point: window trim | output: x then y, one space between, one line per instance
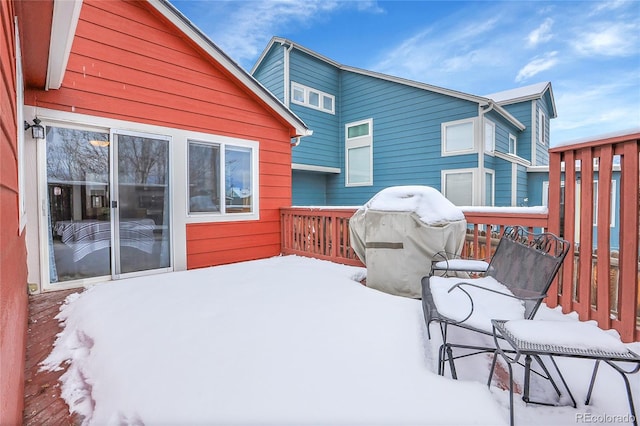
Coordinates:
443 134
542 127
472 171
493 187
491 124
222 215
513 138
306 90
358 142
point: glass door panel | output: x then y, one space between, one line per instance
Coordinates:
79 220
141 189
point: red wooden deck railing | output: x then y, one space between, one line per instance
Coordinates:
601 288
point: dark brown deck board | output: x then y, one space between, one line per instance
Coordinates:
43 404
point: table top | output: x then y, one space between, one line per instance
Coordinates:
522 345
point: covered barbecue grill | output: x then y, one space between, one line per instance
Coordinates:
397 233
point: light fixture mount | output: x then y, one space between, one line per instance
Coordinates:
37 131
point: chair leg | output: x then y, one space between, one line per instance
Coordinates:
592 382
441 360
493 367
452 365
511 415
624 373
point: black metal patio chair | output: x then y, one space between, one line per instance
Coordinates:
519 275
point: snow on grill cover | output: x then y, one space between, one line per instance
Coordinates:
397 233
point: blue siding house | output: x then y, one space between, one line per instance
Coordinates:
372 130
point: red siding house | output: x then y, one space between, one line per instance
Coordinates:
149 151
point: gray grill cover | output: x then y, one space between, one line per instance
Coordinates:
397 246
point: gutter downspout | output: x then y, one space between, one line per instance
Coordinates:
482 110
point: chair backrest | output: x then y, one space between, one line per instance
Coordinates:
527 263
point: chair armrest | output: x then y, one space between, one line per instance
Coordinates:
459 285
450 262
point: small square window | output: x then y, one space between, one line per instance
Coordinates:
327 103
298 94
314 99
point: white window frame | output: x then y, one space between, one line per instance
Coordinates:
515 145
493 187
307 91
443 131
358 142
542 124
222 214
489 147
22 199
473 172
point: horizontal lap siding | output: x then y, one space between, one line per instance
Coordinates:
13 263
522 112
406 134
271 71
502 175
323 147
128 63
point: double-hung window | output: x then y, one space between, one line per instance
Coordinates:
312 98
458 186
359 153
223 178
457 137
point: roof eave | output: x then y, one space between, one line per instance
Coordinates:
63 29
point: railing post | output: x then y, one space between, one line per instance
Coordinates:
629 240
603 263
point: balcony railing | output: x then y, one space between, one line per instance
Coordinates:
601 288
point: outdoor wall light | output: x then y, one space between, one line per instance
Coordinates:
37 131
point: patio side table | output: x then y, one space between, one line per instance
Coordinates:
587 346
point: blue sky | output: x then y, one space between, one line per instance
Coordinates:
589 50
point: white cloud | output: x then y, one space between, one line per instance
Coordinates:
252 24
601 105
541 34
536 66
609 39
436 52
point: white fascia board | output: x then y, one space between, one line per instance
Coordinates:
510 118
512 159
63 29
312 168
194 33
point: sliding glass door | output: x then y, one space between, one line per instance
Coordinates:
108 204
142 194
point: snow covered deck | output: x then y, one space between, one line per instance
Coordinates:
286 340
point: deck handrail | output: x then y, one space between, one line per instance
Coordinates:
589 287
